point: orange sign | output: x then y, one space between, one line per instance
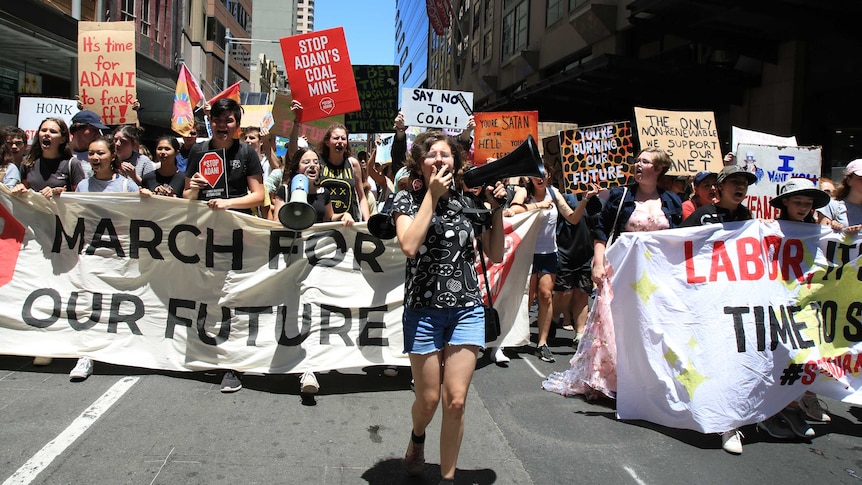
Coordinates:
498 133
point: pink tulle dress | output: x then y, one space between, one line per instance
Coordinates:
593 371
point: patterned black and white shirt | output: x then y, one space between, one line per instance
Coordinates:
443 273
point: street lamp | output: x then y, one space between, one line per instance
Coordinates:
239 41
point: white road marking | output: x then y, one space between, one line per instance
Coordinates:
34 466
527 361
634 476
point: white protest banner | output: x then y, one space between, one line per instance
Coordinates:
436 108
751 137
170 284
722 326
32 111
774 165
690 137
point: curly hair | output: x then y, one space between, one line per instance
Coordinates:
421 146
662 160
36 147
324 147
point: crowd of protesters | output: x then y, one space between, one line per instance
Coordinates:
419 189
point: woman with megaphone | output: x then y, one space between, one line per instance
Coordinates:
444 317
305 162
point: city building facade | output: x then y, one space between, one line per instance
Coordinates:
272 20
777 66
411 43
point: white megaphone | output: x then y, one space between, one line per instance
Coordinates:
298 214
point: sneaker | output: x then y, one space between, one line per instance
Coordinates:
777 428
544 353
500 357
231 381
390 371
308 383
731 441
82 369
796 420
42 360
810 405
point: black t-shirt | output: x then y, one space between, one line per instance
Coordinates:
153 179
713 214
575 242
241 162
53 172
443 272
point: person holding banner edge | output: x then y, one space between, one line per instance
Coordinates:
642 206
444 320
244 180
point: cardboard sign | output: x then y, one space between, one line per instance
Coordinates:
32 111
498 133
378 94
213 169
321 77
257 116
598 154
689 137
751 137
282 117
774 165
106 70
436 108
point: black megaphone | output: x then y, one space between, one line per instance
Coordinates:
523 161
381 225
298 214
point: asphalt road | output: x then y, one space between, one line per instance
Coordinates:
135 426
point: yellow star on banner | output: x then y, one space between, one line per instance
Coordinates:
648 254
671 357
692 342
690 378
644 287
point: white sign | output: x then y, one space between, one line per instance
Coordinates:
723 326
33 111
774 165
170 284
436 108
751 137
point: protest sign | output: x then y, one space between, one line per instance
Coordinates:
722 326
751 137
598 154
774 165
689 137
436 108
378 95
549 133
321 77
32 111
257 116
214 170
498 133
106 70
182 287
282 117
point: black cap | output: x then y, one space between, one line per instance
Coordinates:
87 117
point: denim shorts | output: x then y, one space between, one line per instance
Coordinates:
544 263
427 330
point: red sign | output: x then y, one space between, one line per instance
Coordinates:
212 167
11 238
321 77
437 15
